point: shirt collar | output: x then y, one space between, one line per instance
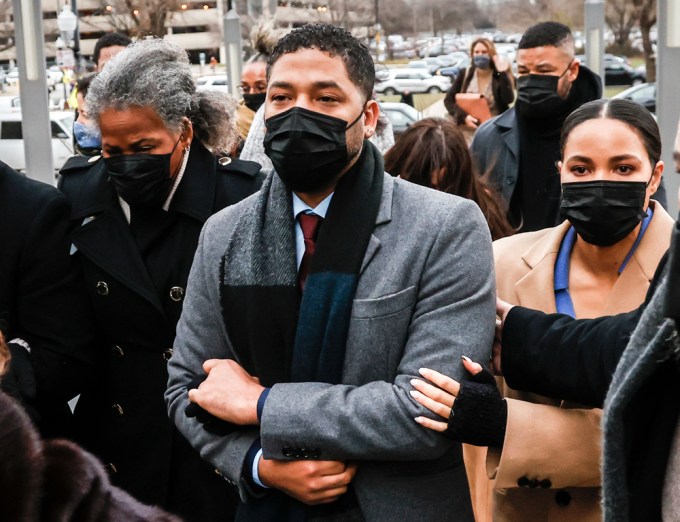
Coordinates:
300 206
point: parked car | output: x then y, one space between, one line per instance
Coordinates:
644 94
617 71
12 142
401 115
454 70
216 82
413 80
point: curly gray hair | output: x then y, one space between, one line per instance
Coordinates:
157 74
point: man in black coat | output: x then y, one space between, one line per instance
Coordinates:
43 311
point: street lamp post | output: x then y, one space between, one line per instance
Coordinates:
35 118
594 32
232 40
667 101
67 21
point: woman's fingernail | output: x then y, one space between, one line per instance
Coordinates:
414 382
419 420
414 394
422 371
467 358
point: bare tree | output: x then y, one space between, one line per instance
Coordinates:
647 20
140 17
621 17
6 27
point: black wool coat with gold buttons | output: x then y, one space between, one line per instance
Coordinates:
135 276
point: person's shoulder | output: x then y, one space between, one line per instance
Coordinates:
77 164
80 174
416 201
515 246
238 167
18 190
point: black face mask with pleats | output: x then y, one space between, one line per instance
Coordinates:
254 101
308 149
142 180
603 212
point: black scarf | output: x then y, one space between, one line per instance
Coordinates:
274 335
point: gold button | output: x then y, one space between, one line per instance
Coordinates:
117 409
167 354
224 161
177 293
102 288
118 351
111 468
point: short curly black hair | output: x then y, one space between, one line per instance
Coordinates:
336 42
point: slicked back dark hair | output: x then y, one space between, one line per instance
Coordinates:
637 117
336 42
544 34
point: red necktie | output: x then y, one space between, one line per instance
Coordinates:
309 223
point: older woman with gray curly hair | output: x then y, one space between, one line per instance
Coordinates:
137 214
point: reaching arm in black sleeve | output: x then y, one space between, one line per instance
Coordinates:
557 356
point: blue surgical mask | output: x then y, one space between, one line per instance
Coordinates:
482 61
87 136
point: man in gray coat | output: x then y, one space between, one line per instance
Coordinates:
312 304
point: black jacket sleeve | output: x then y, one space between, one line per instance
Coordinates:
450 98
42 298
557 356
503 90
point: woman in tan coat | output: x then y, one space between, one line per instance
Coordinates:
600 261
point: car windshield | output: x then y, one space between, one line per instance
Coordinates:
67 122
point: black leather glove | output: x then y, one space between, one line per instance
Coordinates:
210 423
479 413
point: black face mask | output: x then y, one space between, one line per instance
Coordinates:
254 101
142 180
308 149
603 212
537 95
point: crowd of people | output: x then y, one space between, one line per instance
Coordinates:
271 310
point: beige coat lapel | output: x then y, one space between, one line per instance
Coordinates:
536 288
631 287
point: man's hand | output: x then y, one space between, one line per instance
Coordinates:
229 392
309 481
502 310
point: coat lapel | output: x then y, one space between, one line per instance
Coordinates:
384 216
536 289
105 238
631 287
106 241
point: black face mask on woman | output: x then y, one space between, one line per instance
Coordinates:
308 149
537 95
254 101
603 212
142 180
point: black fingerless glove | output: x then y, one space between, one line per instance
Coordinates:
479 413
210 423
